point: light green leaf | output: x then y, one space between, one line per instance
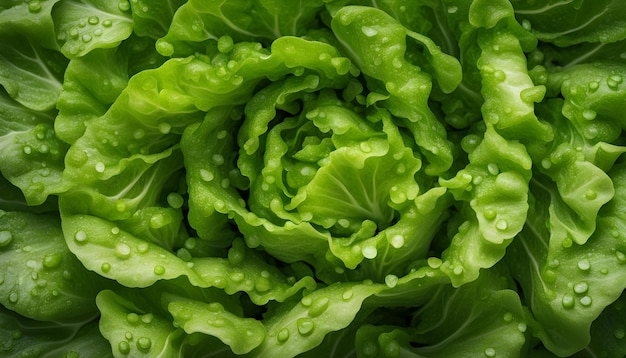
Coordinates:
84 25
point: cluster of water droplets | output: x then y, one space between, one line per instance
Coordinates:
141 342
80 34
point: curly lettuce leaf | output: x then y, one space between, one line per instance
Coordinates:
151 19
302 325
567 285
241 334
578 166
572 21
593 96
32 154
493 190
136 327
41 279
31 19
364 32
82 26
31 74
24 337
488 321
91 84
195 22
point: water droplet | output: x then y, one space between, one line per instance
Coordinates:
159 270
105 267
391 348
397 241
236 253
490 352
306 301
157 221
132 318
502 225
283 335
369 31
128 335
591 131
305 325
80 236
370 349
216 307
369 252
617 78
619 333
319 306
584 265
397 62
164 127
621 257
508 317
585 301
122 250
253 241
458 270
123 347
206 175
27 150
493 169
262 284
51 261
13 297
100 167
93 20
567 242
218 159
5 238
217 322
347 294
144 344
147 318
34 6
522 327
123 5
591 194
345 223
589 114
86 38
499 75
581 287
490 214
391 280
567 301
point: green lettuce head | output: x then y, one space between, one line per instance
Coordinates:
343 178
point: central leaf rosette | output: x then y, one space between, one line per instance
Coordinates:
309 173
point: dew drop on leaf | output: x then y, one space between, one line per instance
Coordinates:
305 325
490 352
80 236
319 306
283 335
5 238
567 301
159 270
122 250
123 347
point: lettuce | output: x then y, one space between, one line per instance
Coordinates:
343 178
